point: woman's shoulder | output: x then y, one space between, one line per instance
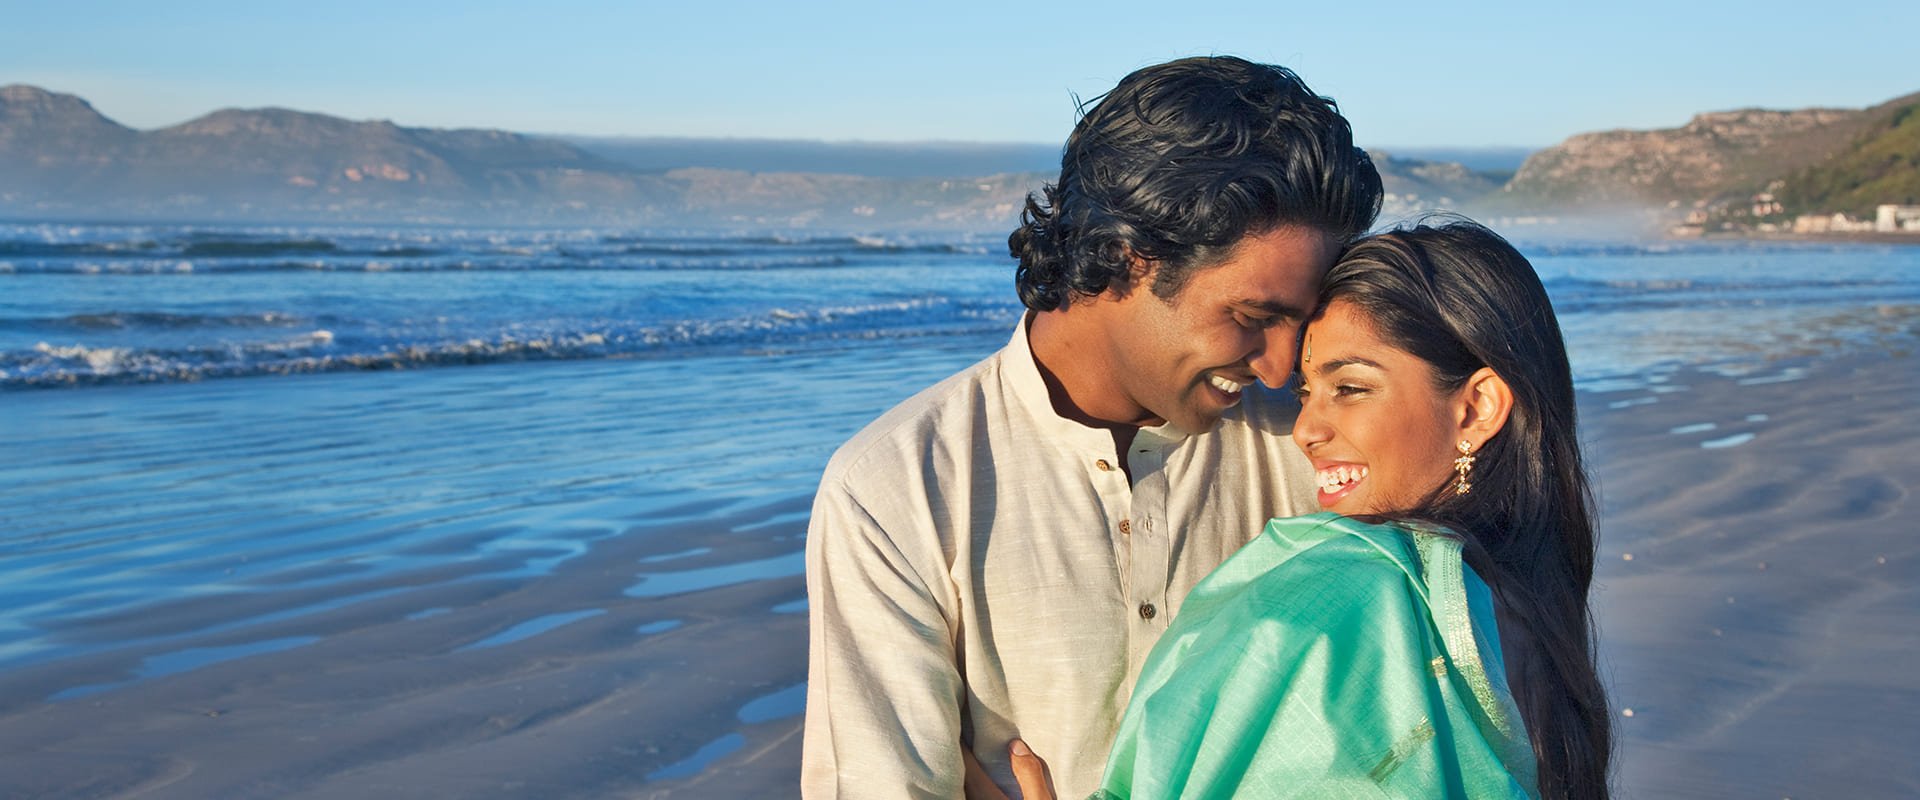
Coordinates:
1309 529
1330 536
1332 560
1327 564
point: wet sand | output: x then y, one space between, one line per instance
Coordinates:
395 700
398 701
1759 634
1759 580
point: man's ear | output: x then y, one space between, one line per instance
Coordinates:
1482 406
1139 274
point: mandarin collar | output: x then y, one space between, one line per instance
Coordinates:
1023 377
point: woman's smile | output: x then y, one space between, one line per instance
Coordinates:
1336 480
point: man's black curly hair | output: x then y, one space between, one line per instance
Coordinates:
1180 162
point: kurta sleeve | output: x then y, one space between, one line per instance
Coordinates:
884 692
1325 677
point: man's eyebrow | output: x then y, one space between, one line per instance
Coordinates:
1275 308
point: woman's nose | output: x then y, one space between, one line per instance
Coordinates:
1309 429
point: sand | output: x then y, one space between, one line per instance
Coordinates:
386 706
1760 634
1759 599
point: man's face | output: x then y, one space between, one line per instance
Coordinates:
1185 360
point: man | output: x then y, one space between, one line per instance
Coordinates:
993 558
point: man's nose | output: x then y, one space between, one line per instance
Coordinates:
1272 360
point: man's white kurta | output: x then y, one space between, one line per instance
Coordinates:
981 569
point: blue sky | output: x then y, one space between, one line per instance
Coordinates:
1407 74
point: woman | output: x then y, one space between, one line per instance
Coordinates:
1429 636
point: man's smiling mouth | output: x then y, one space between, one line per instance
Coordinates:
1224 385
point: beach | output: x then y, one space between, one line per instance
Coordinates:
1757 590
457 567
1758 583
571 647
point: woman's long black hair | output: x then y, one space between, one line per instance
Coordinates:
1459 297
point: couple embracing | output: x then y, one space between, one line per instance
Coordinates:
1111 560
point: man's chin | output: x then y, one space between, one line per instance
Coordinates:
1194 425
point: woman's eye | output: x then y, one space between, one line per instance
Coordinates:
1300 393
1349 390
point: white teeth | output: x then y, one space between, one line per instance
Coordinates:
1332 478
1225 385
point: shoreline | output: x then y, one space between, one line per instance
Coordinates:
1859 237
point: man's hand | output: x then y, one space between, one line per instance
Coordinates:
1028 769
1031 772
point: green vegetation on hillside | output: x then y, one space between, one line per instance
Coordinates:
1882 166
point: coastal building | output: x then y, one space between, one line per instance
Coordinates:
1694 226
1889 218
1831 223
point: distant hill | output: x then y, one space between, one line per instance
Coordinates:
58 154
935 159
1416 185
1491 160
866 159
1716 157
52 140
60 158
1882 165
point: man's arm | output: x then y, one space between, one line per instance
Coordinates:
883 687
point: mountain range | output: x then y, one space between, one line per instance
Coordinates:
61 158
1811 158
1882 165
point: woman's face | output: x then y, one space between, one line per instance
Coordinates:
1380 434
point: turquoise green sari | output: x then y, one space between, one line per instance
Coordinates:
1328 658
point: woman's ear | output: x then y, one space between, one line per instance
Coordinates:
1483 405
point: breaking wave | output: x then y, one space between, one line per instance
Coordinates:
54 365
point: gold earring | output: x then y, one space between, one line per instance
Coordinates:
1462 467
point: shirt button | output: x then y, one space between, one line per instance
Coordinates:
1147 611
1103 465
1126 526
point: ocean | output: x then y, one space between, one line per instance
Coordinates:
215 432
86 305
